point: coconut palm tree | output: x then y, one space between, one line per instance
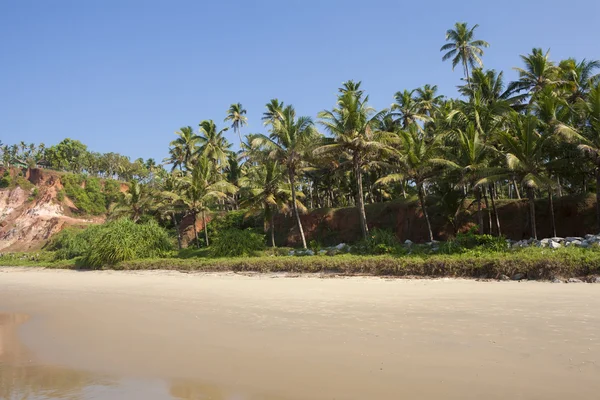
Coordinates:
354 125
266 191
186 144
579 77
274 110
588 136
415 158
408 110
463 48
525 150
213 144
237 115
290 141
201 187
428 99
539 72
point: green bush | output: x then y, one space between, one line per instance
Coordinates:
60 195
90 199
471 240
123 240
237 243
380 241
6 180
71 242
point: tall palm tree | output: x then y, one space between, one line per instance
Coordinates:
213 144
415 158
290 141
579 77
539 72
354 125
408 109
237 115
266 191
201 187
463 47
525 150
428 99
274 110
589 136
186 143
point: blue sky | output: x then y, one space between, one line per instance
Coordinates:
124 75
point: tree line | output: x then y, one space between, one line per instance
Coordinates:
536 137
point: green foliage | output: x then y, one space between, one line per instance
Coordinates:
23 183
237 243
123 240
105 245
380 241
71 243
6 180
60 195
112 191
89 200
471 240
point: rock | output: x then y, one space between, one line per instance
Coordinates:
589 237
577 243
518 277
555 245
309 253
340 246
557 239
556 280
408 242
504 278
574 280
596 280
573 238
322 252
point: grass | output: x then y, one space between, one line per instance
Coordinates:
535 263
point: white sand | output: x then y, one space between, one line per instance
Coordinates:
308 338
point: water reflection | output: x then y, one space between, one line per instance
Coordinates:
21 378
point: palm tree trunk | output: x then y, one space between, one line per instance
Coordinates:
177 229
487 208
205 227
403 184
553 221
514 181
531 195
598 197
196 231
492 197
360 199
295 207
479 213
273 229
424 208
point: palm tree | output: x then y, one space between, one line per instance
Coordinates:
415 158
266 191
525 150
274 110
428 99
200 188
213 144
579 77
353 123
539 72
139 200
408 110
589 136
237 115
463 48
290 141
186 143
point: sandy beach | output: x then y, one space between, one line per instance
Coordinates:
169 335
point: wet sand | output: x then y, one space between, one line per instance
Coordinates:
167 335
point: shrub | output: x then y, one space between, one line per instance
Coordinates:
123 240
471 240
72 242
237 243
380 241
60 195
5 181
90 199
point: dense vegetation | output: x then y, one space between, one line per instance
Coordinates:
536 137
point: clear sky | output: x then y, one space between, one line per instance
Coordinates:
123 75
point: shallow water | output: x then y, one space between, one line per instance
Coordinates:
156 335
